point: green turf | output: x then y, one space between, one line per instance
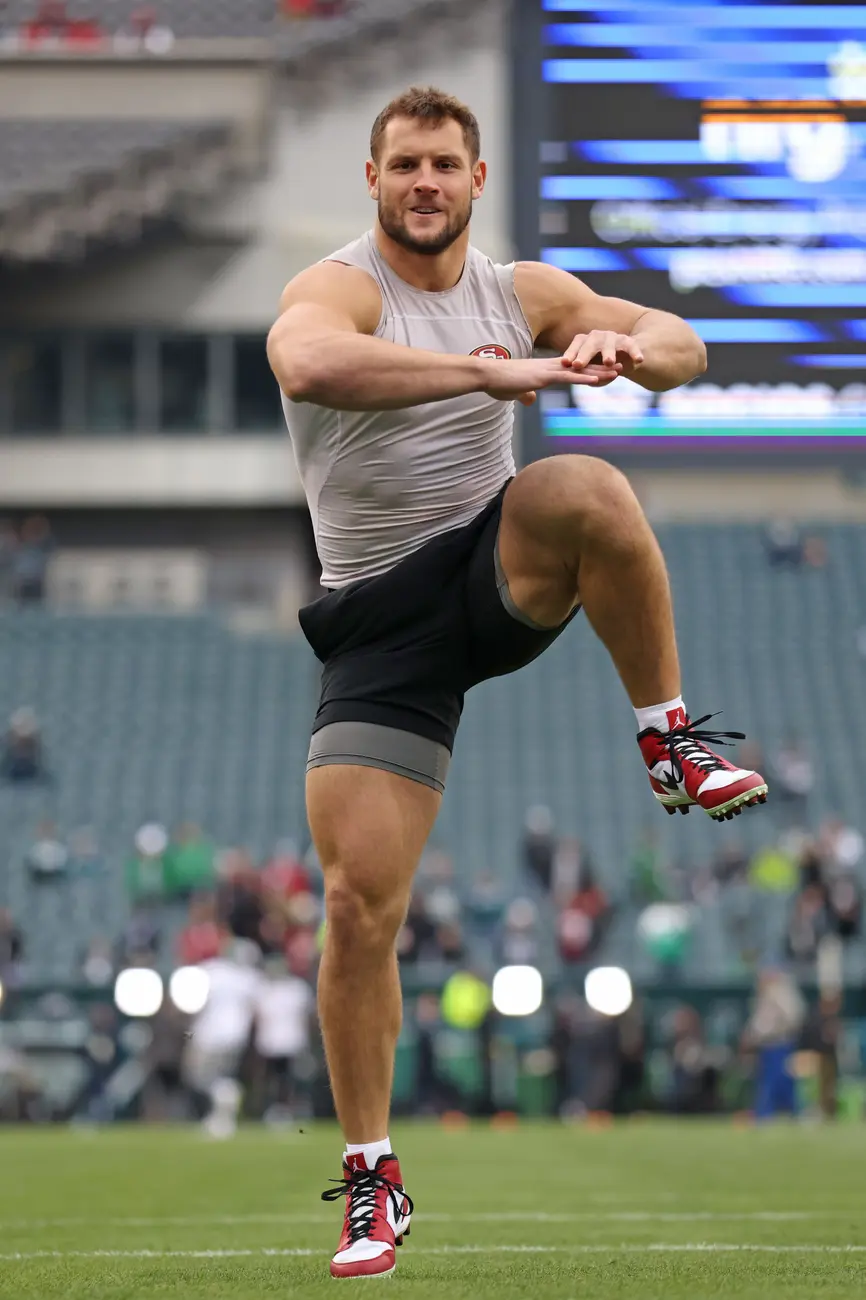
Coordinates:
643 1210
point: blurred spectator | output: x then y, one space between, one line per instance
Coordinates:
202 938
773 870
569 859
821 1035
22 748
98 968
485 903
646 871
313 8
47 859
164 1096
539 845
808 922
284 1011
8 548
188 862
784 544
811 866
221 1033
434 1092
85 857
772 1032
449 942
101 1057
841 846
587 1050
581 922
50 24
731 863
844 904
11 948
815 553
143 33
240 906
145 870
140 938
31 559
519 943
416 938
794 781
285 874
695 1074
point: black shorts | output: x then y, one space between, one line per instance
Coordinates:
400 651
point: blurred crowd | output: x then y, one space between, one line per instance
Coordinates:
146 31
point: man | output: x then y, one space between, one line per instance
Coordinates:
399 359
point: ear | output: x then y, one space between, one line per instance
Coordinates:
373 180
479 179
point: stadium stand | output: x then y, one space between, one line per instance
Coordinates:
180 718
65 182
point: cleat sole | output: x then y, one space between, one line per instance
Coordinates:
749 799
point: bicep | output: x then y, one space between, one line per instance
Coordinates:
325 299
563 306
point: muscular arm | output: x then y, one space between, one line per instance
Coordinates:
560 307
321 349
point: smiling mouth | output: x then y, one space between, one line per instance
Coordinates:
427 212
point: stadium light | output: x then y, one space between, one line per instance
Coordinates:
188 989
608 990
517 990
138 992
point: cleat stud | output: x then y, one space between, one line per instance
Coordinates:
684 811
670 811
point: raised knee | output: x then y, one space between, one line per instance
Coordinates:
359 912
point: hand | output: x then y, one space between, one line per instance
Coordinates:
520 381
603 348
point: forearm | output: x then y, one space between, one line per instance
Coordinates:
672 351
354 372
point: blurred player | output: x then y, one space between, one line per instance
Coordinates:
400 358
221 1033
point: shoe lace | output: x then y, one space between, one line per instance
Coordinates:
361 1188
688 743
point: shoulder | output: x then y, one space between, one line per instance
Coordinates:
338 286
545 292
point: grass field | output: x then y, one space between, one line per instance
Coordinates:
644 1209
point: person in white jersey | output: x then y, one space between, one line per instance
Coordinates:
400 358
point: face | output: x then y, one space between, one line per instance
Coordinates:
425 183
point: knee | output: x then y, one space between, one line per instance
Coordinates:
583 491
362 913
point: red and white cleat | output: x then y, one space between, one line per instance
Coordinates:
684 771
378 1215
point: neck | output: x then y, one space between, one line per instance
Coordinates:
433 274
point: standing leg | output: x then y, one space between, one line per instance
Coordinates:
369 827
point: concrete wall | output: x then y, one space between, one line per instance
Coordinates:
311 197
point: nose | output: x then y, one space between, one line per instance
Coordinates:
427 184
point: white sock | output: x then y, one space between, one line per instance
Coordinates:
662 716
371 1151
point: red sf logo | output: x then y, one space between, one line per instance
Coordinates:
492 352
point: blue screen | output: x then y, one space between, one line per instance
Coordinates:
710 160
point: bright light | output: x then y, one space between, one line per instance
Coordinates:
138 992
608 990
2 992
188 989
517 990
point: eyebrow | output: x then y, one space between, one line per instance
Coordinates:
412 157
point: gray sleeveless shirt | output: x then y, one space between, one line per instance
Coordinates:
380 484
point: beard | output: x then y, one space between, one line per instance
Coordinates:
392 222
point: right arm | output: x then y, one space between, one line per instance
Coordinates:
321 350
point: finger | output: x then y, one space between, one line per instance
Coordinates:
608 350
606 371
587 350
625 343
527 399
580 377
573 349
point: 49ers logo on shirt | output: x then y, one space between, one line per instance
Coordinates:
492 352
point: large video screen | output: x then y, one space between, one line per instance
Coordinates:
709 159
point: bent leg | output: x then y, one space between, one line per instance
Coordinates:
369 827
572 530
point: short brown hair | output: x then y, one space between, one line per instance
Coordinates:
428 104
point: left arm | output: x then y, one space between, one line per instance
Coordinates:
654 348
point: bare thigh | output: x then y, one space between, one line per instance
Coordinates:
369 828
539 563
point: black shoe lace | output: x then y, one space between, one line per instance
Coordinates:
361 1186
688 742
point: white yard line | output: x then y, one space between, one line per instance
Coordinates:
510 1216
621 1248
